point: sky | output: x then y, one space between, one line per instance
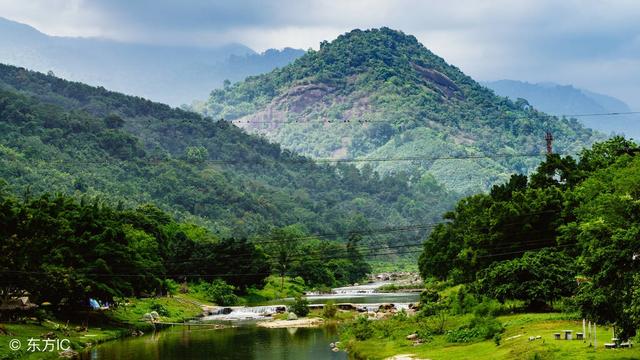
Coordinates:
590 44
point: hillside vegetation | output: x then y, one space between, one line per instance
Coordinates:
531 258
60 136
381 94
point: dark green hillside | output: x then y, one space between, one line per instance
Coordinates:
60 136
380 93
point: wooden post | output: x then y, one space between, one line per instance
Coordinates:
584 329
595 336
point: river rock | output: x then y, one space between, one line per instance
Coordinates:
412 337
69 354
292 316
155 315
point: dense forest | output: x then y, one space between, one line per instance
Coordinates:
63 137
64 251
570 232
381 94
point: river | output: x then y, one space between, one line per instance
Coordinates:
244 340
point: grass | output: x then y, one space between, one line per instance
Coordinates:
27 330
522 325
104 326
179 308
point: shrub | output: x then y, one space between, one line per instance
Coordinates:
218 292
479 328
330 309
490 307
487 327
497 338
300 306
362 329
159 308
172 286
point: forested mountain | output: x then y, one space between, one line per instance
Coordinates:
558 99
67 137
381 94
171 74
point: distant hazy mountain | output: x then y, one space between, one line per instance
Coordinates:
170 74
565 99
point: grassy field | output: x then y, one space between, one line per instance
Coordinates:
515 343
103 326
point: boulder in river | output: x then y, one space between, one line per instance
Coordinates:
292 316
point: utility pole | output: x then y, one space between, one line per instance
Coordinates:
549 139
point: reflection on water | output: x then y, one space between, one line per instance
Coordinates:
245 342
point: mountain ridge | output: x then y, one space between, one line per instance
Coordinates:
172 74
561 100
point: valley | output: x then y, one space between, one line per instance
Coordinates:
365 198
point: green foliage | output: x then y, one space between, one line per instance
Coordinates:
329 310
69 250
530 239
275 288
159 308
538 278
391 97
300 306
218 292
480 328
362 328
497 338
197 154
59 136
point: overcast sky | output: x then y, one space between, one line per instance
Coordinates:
591 44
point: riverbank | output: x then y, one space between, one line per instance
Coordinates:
525 336
86 329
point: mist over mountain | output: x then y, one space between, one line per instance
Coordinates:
381 94
171 74
559 100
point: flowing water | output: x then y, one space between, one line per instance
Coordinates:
244 340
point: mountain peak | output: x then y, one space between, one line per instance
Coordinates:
384 51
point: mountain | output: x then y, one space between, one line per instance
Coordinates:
66 137
171 74
559 100
381 95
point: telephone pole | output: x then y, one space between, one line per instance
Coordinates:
549 139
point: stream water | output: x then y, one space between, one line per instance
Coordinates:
244 340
